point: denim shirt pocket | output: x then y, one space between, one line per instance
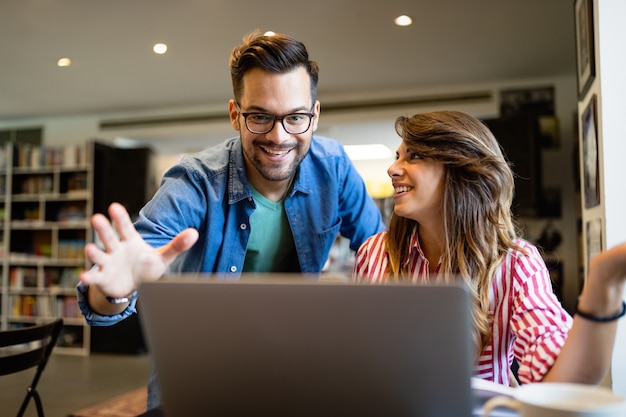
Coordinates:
326 238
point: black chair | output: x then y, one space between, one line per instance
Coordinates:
25 348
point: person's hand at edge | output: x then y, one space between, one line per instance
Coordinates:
603 290
586 356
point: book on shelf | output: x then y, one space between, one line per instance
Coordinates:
67 306
71 249
44 307
20 278
71 212
74 155
39 184
4 157
39 156
24 306
62 278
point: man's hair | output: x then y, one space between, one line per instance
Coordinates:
273 53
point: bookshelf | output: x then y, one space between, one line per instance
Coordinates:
46 202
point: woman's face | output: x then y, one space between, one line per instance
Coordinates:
419 185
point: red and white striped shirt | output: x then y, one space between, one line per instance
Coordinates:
529 322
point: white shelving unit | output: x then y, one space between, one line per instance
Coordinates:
46 206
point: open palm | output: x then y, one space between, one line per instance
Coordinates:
126 259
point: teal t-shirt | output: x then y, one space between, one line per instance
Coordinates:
270 247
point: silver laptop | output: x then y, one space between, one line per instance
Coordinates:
294 346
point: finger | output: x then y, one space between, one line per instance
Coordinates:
89 277
182 242
95 255
122 222
105 232
92 275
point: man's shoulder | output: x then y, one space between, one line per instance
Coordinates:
324 147
215 157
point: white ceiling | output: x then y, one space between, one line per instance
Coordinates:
354 41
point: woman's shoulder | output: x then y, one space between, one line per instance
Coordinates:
371 260
524 261
524 249
374 243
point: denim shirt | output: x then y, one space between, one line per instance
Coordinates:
209 192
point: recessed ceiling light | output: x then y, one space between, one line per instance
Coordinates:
159 48
269 33
403 20
64 62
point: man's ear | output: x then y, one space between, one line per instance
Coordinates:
233 112
316 110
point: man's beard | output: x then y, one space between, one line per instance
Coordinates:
277 171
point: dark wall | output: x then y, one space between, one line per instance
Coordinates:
519 139
121 175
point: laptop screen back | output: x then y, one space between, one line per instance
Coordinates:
297 347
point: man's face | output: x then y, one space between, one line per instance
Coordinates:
275 155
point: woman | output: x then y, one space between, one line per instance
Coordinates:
452 220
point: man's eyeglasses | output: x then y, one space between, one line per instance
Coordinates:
293 123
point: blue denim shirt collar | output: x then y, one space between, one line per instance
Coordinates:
237 182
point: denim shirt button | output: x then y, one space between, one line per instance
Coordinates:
243 226
233 268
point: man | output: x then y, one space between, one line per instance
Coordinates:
272 199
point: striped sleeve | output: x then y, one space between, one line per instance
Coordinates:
539 322
371 260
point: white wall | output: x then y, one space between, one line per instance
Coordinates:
611 90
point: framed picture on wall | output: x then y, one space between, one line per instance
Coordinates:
590 158
594 238
585 54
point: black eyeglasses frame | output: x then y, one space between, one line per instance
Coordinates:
274 119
